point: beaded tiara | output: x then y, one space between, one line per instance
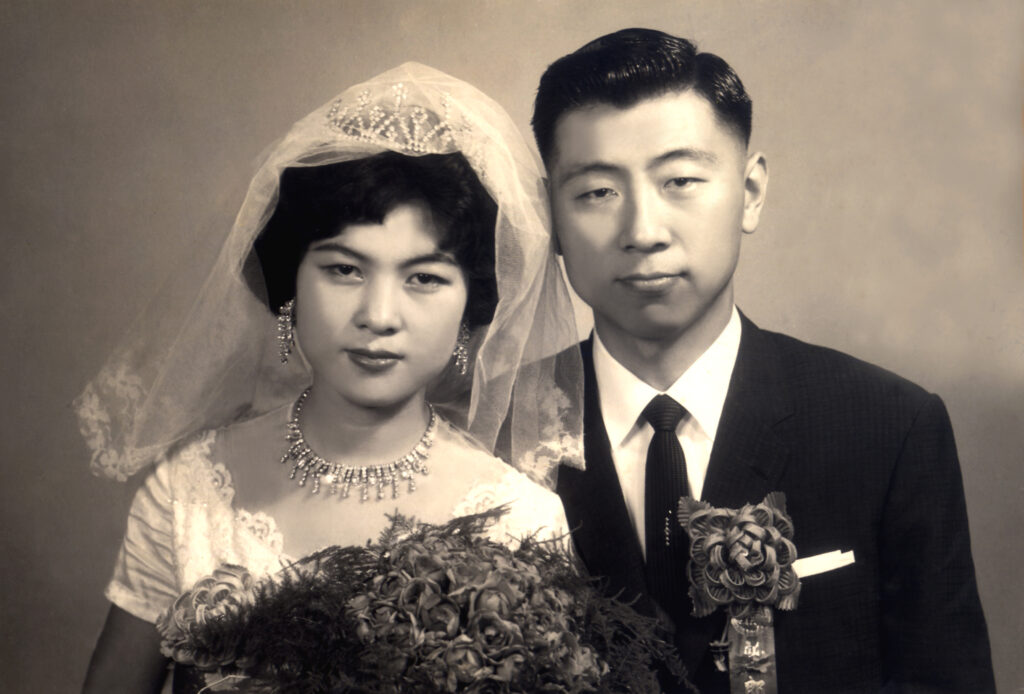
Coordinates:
395 124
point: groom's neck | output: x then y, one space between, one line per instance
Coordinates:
660 361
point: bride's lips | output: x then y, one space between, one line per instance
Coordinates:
651 282
375 360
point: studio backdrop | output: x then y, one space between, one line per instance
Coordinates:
129 132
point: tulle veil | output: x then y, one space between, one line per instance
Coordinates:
205 356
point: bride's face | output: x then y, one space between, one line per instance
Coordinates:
378 308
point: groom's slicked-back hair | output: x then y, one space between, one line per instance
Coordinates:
628 66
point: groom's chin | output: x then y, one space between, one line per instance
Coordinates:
655 322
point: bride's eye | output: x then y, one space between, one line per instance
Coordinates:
426 280
343 271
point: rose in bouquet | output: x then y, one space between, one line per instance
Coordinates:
425 609
228 591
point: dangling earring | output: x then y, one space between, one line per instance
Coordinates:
285 335
461 353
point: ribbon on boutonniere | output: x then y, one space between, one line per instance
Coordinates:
742 560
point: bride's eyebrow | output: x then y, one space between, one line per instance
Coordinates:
337 247
435 257
328 246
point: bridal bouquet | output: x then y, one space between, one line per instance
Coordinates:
425 609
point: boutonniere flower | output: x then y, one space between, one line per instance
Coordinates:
742 560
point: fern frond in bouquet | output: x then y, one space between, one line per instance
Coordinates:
425 609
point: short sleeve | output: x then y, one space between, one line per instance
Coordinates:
144 582
537 510
533 510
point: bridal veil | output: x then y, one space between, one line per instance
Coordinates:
205 356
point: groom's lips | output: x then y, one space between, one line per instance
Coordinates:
650 282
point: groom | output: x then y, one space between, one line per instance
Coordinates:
651 185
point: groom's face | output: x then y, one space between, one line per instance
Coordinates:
649 203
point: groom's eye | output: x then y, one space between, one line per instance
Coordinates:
597 194
680 182
682 185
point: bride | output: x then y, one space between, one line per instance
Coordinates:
384 313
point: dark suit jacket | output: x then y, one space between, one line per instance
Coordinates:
868 463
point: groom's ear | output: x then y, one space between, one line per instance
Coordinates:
546 187
755 187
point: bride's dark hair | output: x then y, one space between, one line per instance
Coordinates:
318 202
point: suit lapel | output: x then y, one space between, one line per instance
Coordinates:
748 458
747 462
594 502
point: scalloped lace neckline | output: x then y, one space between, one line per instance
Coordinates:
263 528
259 525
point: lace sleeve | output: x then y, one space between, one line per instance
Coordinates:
144 578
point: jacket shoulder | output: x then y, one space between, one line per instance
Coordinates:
824 371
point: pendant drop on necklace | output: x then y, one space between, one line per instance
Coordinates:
339 478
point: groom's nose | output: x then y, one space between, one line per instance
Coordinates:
643 228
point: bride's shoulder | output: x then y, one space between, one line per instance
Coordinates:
531 509
253 437
214 455
451 442
455 444
243 438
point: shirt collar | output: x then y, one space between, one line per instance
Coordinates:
701 389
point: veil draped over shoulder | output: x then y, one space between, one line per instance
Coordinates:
204 357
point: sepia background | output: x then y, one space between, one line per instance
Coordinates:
129 131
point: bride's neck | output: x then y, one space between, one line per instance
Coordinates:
345 432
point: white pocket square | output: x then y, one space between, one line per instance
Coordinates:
820 563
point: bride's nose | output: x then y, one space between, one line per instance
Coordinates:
379 309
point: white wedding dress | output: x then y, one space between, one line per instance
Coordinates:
203 352
184 523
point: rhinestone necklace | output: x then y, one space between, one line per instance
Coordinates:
307 463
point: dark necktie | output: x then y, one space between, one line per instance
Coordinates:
664 482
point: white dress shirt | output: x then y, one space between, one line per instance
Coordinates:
701 390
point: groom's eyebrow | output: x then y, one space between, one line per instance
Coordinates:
588 168
685 153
